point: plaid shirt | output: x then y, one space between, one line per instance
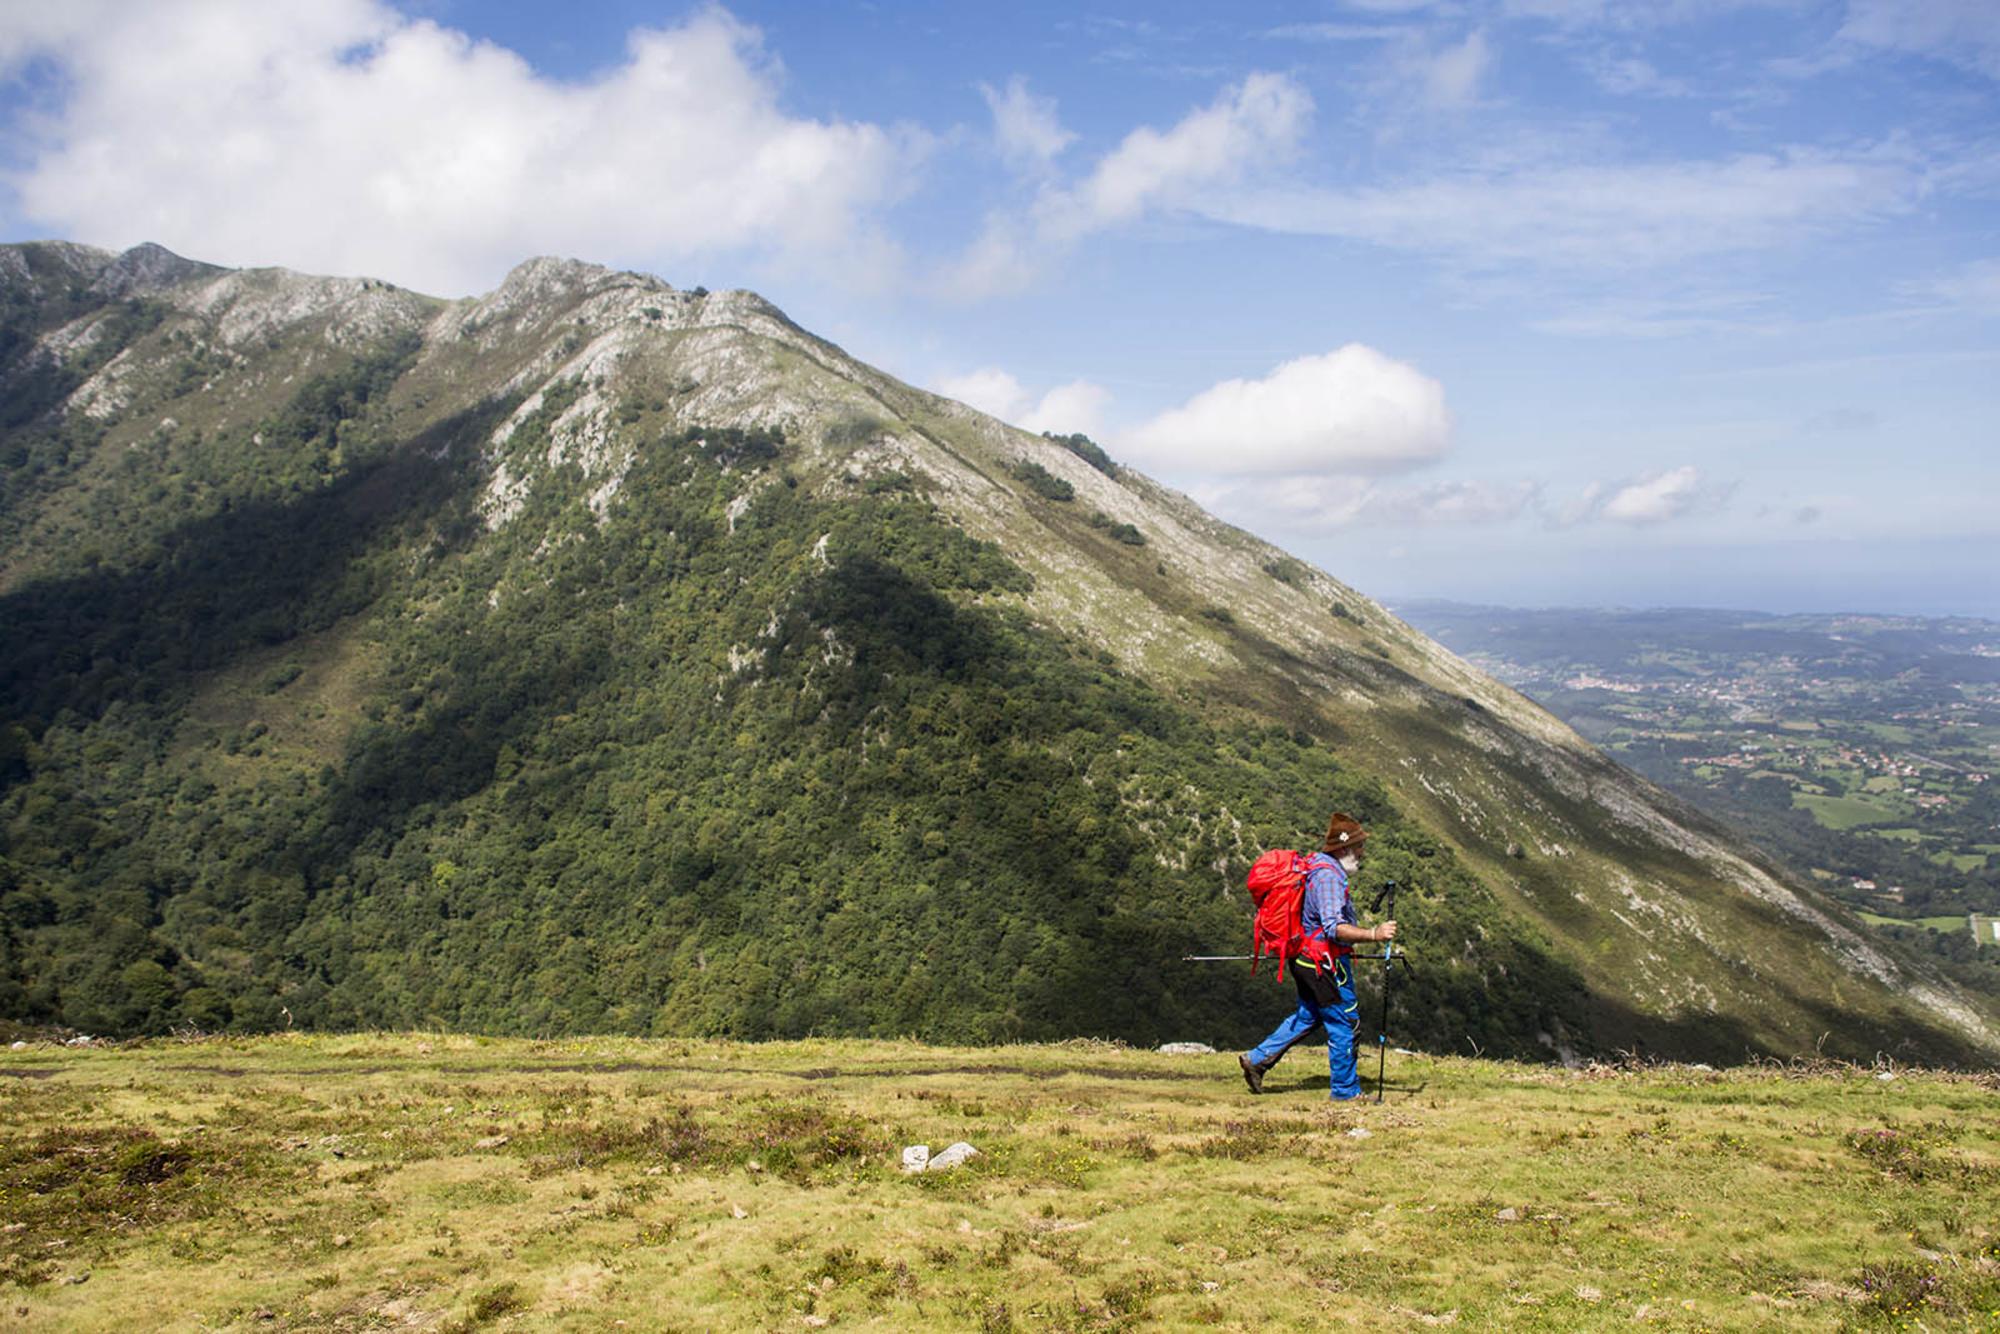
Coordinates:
1326 902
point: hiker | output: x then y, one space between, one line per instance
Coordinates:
1322 972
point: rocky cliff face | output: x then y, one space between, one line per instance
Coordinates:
157 393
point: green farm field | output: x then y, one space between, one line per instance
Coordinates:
1945 922
454 1183
1842 812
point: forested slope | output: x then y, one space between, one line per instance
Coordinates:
595 656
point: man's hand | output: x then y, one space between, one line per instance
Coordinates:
1385 931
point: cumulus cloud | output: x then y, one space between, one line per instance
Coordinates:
1349 410
1652 499
345 136
1250 126
1065 409
1025 127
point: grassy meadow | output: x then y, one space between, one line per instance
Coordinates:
457 1183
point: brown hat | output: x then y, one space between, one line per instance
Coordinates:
1344 834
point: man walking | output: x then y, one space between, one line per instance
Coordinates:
1322 972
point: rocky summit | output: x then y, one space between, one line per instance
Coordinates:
599 656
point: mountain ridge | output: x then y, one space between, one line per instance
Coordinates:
545 398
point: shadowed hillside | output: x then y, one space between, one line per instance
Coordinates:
596 656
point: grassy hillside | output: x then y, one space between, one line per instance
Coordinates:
596 656
457 1183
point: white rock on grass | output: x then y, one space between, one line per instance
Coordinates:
954 1156
1187 1049
918 1157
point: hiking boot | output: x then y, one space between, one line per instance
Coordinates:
1253 1075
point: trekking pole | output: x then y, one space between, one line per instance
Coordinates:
1401 956
1387 894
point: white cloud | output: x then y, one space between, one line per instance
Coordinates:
1654 499
1451 77
1070 408
344 136
1334 32
1025 127
1965 33
1629 76
991 390
1630 15
1260 118
1580 507
1463 502
1323 503
1251 125
1974 286
1065 409
1350 410
1601 216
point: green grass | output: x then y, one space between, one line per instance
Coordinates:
459 1183
1948 922
1960 861
1841 812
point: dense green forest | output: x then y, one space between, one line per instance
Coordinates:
302 743
594 656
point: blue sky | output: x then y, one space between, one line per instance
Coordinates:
1523 301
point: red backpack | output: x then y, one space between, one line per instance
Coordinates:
1278 889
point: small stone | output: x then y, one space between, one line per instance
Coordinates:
815 1321
955 1156
915 1157
1587 1293
71 1280
1703 1067
653 1171
18 1046
754 1165
1509 1215
1886 1076
341 1239
490 1142
1186 1049
1360 1132
1208 1286
737 1211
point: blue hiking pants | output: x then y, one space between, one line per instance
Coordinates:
1326 999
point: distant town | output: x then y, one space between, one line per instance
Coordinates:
1858 750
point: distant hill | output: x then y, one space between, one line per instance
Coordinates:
600 656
